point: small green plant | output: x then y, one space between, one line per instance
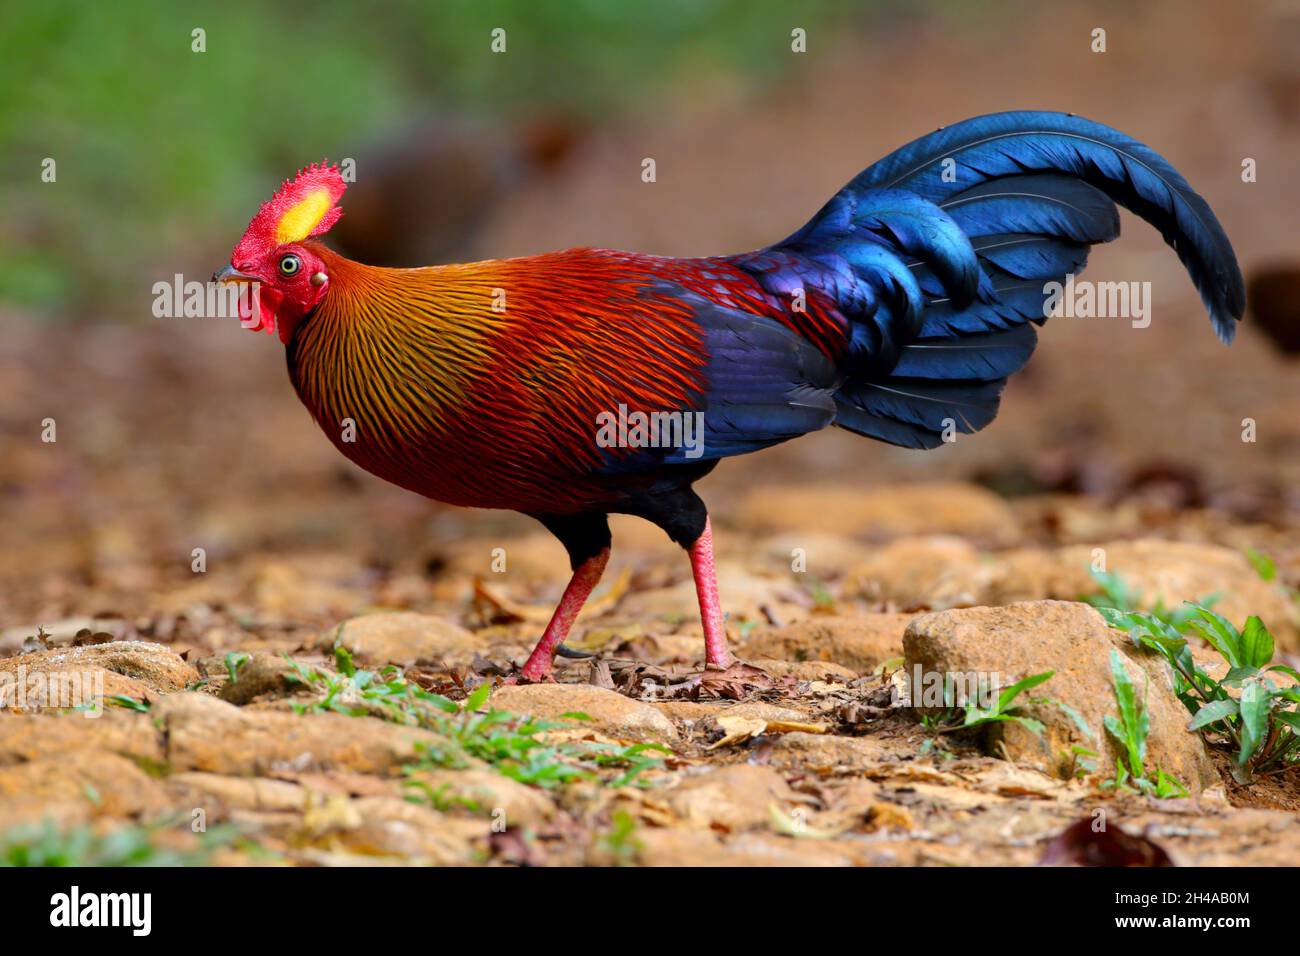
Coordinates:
513 745
1130 728
1259 723
46 844
128 703
955 717
1264 565
1118 594
1082 762
363 693
234 661
620 841
516 747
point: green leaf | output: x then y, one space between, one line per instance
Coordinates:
1074 716
1169 786
1254 720
1256 643
1262 564
1288 717
1033 726
234 661
1288 671
1130 728
479 697
343 661
1215 710
1236 675
1008 695
1223 637
130 703
1118 619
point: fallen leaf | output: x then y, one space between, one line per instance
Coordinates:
1081 845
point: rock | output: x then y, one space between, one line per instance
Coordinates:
116 731
244 793
260 676
403 638
64 687
1014 642
731 798
389 826
861 642
886 511
143 665
76 786
204 733
611 713
696 848
1174 571
932 572
485 792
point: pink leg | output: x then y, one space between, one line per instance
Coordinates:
584 580
706 589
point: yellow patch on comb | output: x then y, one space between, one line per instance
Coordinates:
303 216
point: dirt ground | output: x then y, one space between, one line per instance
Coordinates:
842 562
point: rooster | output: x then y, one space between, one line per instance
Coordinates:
897 312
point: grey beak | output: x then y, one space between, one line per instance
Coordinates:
231 274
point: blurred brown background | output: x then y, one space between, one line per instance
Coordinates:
175 434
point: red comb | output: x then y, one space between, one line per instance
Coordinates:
304 206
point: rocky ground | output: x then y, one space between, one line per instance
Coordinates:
230 710
192 547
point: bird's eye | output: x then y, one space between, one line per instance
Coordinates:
289 265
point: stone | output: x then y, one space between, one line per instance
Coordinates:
484 792
260 676
244 793
123 732
78 785
1074 642
143 664
737 797
1174 571
204 733
403 638
697 848
611 713
859 642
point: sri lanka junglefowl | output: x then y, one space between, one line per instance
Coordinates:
574 385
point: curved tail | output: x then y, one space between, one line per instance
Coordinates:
941 257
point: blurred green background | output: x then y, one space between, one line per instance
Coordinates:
158 146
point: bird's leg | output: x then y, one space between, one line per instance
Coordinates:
585 578
706 589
